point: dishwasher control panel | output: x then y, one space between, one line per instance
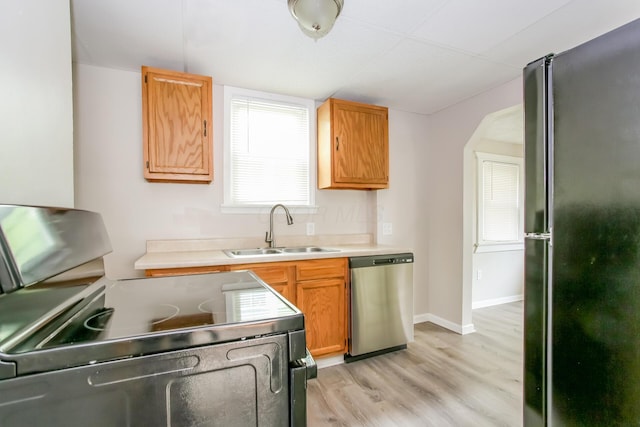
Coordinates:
392 261
380 260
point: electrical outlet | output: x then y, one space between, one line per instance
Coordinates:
479 274
311 229
387 229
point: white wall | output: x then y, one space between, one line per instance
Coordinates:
109 179
502 278
397 205
36 111
440 183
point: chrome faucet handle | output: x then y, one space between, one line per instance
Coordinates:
269 237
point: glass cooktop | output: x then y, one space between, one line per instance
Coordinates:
140 308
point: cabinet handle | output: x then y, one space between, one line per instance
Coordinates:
205 128
337 144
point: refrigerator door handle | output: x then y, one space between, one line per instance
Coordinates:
540 236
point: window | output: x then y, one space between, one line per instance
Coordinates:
500 203
245 302
268 154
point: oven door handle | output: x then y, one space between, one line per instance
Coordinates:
298 395
300 371
312 366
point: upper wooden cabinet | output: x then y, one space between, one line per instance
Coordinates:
176 126
353 145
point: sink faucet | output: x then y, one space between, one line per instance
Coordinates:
269 237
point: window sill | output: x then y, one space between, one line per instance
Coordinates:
501 247
265 209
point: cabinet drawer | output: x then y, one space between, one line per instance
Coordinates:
321 269
163 272
271 274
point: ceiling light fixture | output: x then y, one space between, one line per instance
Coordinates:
315 17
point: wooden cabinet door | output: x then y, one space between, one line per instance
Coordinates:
177 128
361 145
353 145
324 308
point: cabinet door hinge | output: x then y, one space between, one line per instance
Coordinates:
147 164
205 128
145 79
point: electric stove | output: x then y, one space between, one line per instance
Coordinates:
206 349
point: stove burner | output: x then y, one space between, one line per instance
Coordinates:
205 306
98 322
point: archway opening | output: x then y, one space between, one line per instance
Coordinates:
492 272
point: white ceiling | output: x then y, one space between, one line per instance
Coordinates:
412 55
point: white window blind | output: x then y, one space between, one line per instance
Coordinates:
252 304
269 152
500 202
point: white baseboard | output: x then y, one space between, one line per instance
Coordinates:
420 318
325 362
468 329
455 327
496 301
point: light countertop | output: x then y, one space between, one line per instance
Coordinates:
209 252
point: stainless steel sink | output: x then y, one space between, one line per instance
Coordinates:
251 252
235 253
306 249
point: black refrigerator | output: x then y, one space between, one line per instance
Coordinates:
582 242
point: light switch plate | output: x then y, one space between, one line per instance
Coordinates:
387 229
311 229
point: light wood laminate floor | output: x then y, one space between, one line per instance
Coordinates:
442 379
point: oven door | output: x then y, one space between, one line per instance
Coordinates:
234 384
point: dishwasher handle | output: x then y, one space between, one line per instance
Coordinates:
383 261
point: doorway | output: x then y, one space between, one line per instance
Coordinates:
492 273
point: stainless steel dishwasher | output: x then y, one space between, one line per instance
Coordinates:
381 304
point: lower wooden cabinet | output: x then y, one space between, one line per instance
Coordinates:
317 287
323 304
